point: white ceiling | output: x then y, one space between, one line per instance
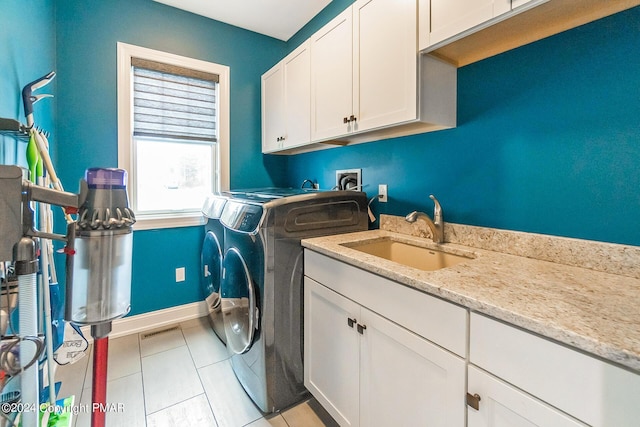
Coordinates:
280 19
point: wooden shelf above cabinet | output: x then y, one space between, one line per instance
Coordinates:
535 24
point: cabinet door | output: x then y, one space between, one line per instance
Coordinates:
385 55
331 78
452 17
297 97
272 109
331 351
591 390
406 380
502 405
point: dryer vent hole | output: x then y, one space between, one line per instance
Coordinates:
162 331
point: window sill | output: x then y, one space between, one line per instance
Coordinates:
153 222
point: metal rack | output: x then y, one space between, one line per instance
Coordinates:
11 127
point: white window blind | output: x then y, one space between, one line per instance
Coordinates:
174 102
173 134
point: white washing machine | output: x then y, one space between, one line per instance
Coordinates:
261 289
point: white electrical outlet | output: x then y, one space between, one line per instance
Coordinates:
382 193
180 274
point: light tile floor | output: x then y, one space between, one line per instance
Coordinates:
176 376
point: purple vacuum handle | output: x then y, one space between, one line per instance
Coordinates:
106 178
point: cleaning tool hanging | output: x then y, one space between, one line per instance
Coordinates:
32 157
36 151
29 99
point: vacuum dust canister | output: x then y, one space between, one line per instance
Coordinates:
101 286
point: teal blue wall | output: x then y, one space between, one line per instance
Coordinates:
548 141
87 33
27 42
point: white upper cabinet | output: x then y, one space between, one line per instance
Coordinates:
385 64
286 102
332 78
467 31
297 96
365 74
367 82
451 17
364 69
273 128
445 21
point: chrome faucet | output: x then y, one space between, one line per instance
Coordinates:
436 226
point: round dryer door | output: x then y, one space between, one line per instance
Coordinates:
211 270
239 308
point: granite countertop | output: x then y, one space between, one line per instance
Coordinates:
594 311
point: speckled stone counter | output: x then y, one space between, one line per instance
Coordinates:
582 306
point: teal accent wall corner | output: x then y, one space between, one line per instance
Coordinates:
27 52
548 141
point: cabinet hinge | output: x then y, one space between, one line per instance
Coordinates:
473 400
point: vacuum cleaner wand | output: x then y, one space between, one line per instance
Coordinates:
99 288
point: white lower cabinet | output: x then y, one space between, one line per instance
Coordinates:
519 371
502 405
377 353
406 380
366 370
331 352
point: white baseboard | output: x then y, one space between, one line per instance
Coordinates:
153 320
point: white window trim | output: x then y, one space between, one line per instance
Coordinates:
125 126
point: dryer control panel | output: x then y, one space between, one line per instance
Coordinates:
241 216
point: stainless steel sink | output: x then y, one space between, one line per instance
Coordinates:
410 255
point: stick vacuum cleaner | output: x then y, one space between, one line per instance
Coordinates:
98 288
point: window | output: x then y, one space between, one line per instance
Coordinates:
173 134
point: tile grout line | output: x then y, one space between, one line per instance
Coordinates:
144 401
204 393
215 418
178 403
160 352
